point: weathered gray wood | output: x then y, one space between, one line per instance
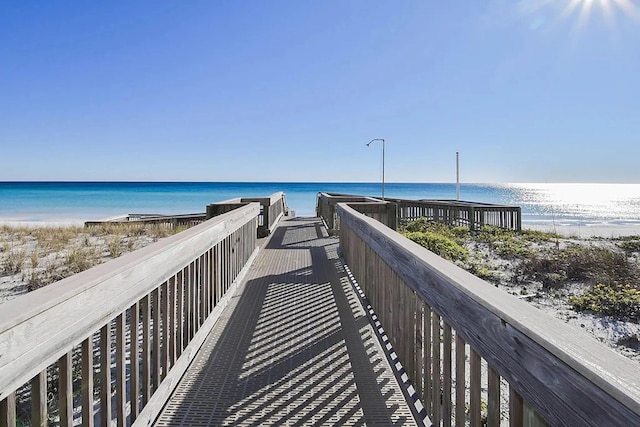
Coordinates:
446 375
493 397
8 411
63 314
180 315
145 309
65 390
474 389
164 365
155 346
516 411
171 318
105 375
435 372
428 375
135 360
460 380
531 418
87 382
569 378
39 400
121 371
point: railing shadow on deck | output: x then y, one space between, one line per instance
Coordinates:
280 341
451 329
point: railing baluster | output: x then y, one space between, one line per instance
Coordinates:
475 377
121 367
172 321
87 382
39 399
436 395
155 353
493 397
516 411
105 375
192 299
135 360
180 316
8 411
145 308
446 375
418 354
65 389
164 365
461 361
428 378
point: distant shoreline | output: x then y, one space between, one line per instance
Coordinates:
604 230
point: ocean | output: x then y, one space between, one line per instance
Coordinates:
550 204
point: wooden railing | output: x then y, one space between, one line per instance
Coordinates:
429 307
393 212
272 209
460 213
370 206
110 344
145 220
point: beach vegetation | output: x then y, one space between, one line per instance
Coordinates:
43 255
607 272
440 245
621 301
13 261
630 245
591 264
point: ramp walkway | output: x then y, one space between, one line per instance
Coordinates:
294 347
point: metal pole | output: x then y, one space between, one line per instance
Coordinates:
383 169
383 142
457 175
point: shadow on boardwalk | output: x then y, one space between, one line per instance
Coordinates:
294 347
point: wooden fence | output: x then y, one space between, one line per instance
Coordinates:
446 324
460 213
272 209
370 206
133 324
157 220
393 212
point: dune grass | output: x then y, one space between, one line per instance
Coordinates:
38 256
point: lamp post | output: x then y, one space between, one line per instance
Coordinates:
369 143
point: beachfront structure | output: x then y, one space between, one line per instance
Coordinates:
214 326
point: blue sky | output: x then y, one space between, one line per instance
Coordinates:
526 91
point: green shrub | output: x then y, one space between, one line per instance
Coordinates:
440 245
581 263
630 245
618 301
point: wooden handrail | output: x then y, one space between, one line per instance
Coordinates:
173 290
564 375
273 208
453 212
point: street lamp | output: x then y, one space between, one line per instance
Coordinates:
369 143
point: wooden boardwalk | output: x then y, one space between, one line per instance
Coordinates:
294 347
